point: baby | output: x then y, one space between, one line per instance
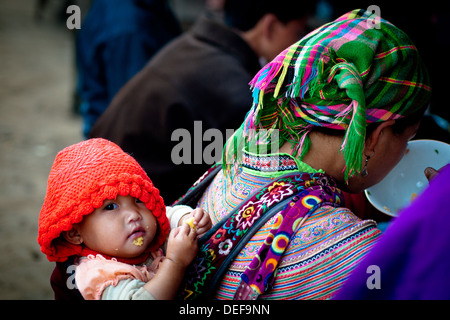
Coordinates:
103 214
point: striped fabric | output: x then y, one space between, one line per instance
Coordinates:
344 75
332 247
319 257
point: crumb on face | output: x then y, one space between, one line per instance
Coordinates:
138 241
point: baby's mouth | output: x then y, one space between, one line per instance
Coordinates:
137 232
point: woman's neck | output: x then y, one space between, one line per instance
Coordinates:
323 154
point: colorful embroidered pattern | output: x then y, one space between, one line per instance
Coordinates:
218 247
273 163
321 271
259 275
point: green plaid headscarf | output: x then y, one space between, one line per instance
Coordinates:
356 70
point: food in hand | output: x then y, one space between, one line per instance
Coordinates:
190 222
138 241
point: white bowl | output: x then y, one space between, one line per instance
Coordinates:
407 180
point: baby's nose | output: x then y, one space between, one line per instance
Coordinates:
133 215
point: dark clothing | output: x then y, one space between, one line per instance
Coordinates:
62 281
201 76
116 40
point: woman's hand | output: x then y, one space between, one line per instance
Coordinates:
431 173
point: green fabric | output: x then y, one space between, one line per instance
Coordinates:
344 75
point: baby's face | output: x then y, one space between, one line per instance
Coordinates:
122 228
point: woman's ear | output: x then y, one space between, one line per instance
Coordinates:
73 236
373 139
268 24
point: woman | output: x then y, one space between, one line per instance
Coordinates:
332 113
411 260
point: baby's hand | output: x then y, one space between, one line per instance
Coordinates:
199 220
182 245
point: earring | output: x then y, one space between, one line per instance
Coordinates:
364 171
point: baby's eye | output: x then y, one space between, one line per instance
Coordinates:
111 206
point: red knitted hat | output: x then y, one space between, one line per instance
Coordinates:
81 178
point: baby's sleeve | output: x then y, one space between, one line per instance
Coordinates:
175 213
93 275
128 289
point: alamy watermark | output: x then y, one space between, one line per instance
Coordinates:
374 280
74 19
191 148
70 282
374 23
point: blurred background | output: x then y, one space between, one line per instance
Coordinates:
36 121
39 116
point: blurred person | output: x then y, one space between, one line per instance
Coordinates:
332 113
116 39
202 76
215 7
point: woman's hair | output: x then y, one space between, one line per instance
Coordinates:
244 14
402 124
